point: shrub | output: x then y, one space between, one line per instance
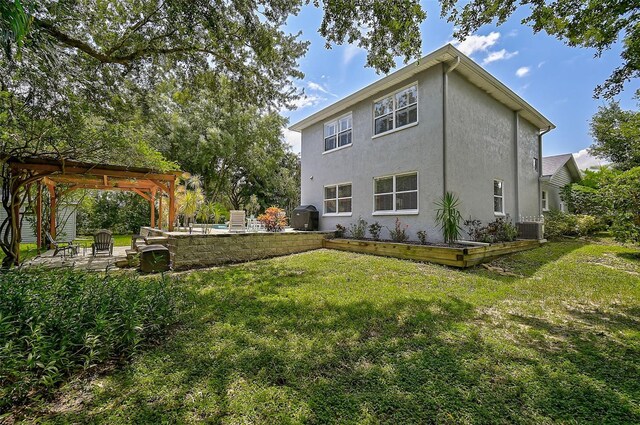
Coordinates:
422 236
55 322
358 229
399 232
475 230
558 223
587 225
448 217
374 230
499 230
274 219
340 230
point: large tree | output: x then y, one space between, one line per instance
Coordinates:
585 23
616 135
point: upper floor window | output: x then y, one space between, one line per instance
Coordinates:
396 111
545 201
337 199
338 133
498 197
396 193
536 164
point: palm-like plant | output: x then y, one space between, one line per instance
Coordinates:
448 217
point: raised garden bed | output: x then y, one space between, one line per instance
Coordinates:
450 256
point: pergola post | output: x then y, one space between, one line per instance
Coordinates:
39 216
152 201
52 210
160 210
172 204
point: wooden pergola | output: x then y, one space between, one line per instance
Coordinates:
150 184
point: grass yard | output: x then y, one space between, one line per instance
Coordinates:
335 337
28 250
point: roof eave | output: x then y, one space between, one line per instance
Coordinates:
448 52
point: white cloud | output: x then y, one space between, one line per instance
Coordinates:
477 43
585 160
318 87
522 71
293 139
350 52
498 55
307 100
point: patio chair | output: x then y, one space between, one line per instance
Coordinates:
102 242
237 221
61 247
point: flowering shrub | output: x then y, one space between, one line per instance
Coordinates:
399 232
274 219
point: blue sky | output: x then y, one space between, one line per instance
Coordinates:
556 79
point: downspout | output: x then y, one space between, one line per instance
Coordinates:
445 83
516 197
540 134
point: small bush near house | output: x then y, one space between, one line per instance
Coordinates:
422 236
340 231
53 323
374 231
499 230
399 232
358 229
274 219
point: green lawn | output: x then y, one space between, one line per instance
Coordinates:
334 337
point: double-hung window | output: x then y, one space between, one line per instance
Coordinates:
337 199
498 197
398 193
396 111
338 133
545 201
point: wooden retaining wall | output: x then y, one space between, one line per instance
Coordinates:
456 257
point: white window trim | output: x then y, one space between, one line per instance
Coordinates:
337 123
337 214
544 200
498 213
536 164
395 211
393 95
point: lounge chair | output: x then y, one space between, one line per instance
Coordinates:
61 246
102 242
237 221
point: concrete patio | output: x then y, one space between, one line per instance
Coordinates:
83 261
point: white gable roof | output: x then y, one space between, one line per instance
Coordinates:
467 67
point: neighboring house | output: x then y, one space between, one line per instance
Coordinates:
395 147
557 172
66 228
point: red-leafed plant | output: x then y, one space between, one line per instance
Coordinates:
274 219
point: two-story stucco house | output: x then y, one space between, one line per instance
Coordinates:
393 148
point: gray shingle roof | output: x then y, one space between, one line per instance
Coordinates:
551 164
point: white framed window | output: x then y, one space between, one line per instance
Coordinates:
396 110
396 194
337 199
536 164
498 197
545 201
338 133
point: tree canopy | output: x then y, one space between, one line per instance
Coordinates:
616 135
